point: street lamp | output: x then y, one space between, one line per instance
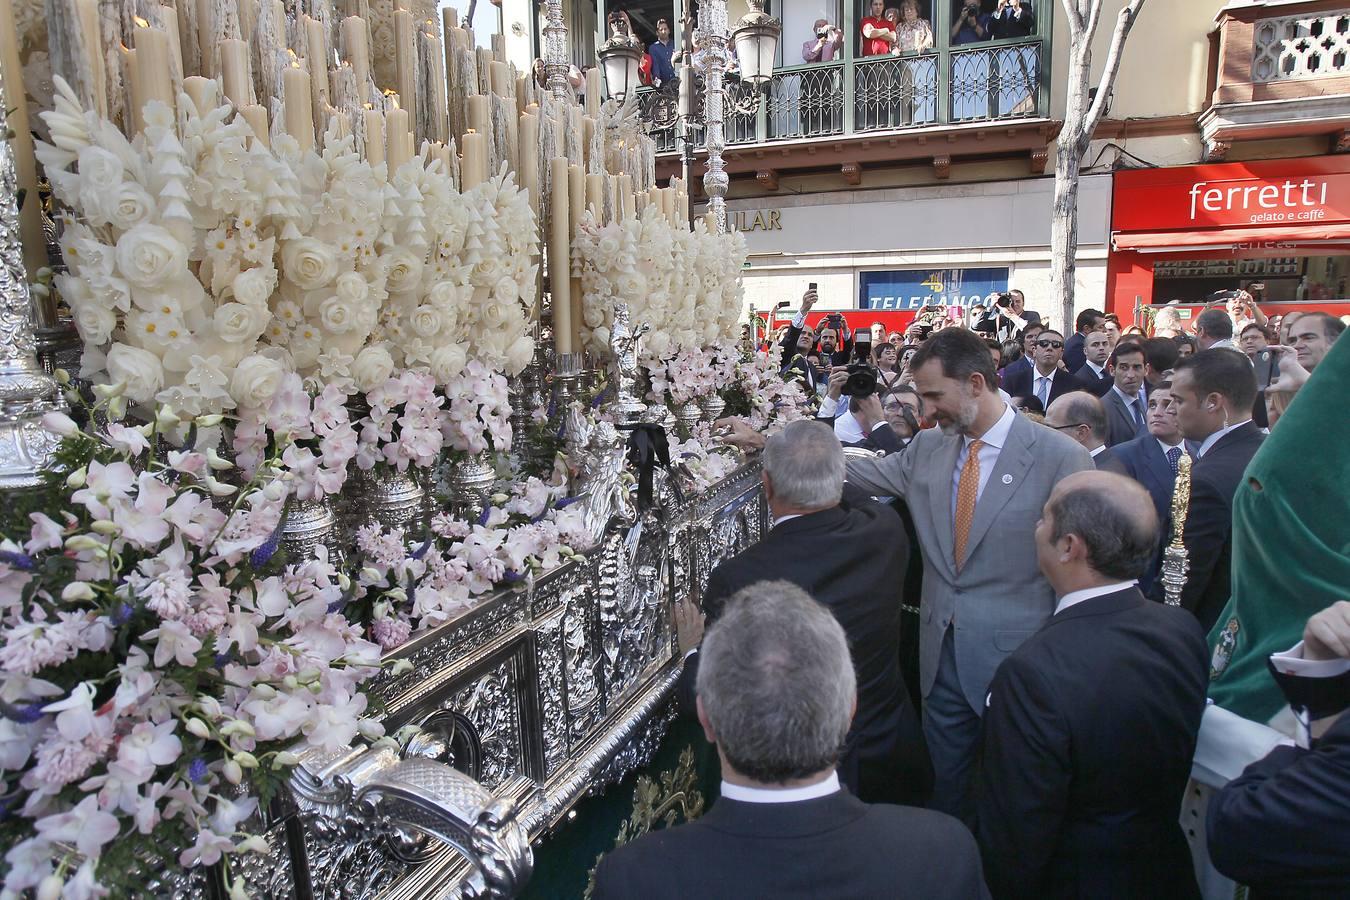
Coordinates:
756 43
621 62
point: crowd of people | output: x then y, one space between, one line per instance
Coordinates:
951 668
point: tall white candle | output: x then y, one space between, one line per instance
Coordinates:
559 253
397 146
256 117
473 166
358 54
152 66
234 72
374 123
529 158
299 106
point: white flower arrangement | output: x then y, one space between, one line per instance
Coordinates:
203 264
685 284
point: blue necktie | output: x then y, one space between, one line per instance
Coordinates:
1174 460
1137 407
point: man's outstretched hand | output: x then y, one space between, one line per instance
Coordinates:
737 432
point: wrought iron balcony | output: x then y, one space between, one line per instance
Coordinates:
1281 69
990 82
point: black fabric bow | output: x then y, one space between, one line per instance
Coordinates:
647 448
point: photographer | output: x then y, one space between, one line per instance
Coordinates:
1005 319
798 345
970 25
836 341
826 44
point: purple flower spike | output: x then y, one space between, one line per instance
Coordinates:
18 560
122 615
197 771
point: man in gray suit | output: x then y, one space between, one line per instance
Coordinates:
975 488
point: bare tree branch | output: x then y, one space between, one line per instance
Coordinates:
1074 17
1124 22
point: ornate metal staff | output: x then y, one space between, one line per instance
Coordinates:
26 391
1176 558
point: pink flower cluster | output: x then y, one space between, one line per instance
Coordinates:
316 433
404 425
224 659
478 412
772 399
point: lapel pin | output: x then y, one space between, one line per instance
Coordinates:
1007 479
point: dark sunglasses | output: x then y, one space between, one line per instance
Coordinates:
1053 345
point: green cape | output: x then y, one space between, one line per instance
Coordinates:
1291 540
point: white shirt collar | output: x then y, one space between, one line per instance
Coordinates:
1096 369
1096 450
997 435
1075 597
1166 446
781 519
1129 401
781 795
1216 437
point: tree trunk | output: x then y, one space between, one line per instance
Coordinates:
1069 148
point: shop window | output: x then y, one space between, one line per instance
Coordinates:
1273 280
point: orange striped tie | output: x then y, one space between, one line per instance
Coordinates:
966 492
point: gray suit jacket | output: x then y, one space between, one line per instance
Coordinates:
999 597
1120 425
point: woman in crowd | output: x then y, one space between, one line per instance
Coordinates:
912 34
1185 345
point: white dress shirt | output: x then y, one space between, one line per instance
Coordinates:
994 439
1166 447
1039 381
781 519
1217 436
1097 370
1073 598
1292 662
781 795
1096 451
1132 404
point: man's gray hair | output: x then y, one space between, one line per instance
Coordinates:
777 683
1216 324
805 464
1116 520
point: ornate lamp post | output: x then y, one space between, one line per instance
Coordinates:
756 38
26 391
555 49
620 59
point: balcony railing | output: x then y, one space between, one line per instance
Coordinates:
991 82
1306 46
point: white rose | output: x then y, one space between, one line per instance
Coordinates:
238 323
519 354
507 290
487 271
255 381
594 316
309 263
447 362
254 286
99 167
353 287
426 321
148 256
403 271
131 206
337 315
140 370
372 367
493 314
94 321
607 248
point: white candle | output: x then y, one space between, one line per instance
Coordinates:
626 195
202 92
500 78
479 116
135 122
316 58
168 18
299 106
595 196
374 122
473 165
152 66
91 32
256 117
234 72
206 34
397 143
358 56
575 191
405 60
559 252
529 158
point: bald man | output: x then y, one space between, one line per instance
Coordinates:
1090 725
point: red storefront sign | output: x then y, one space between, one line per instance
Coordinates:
1310 191
1245 210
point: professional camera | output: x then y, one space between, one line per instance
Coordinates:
1005 300
822 32
862 376
971 10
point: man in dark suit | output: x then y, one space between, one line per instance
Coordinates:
776 691
1152 459
1084 768
1086 322
1212 392
1283 826
1082 417
1044 379
1023 362
852 558
1093 376
798 343
1126 414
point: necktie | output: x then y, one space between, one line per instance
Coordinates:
1137 407
1043 390
1174 460
967 491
